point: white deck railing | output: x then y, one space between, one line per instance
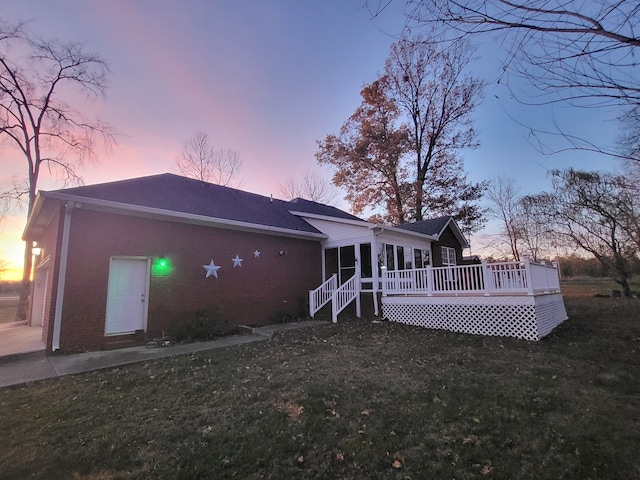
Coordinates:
319 297
501 278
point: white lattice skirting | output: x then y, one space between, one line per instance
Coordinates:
527 317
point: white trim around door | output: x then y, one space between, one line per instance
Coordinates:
127 295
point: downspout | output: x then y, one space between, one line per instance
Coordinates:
62 274
324 267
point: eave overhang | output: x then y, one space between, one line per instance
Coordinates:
47 204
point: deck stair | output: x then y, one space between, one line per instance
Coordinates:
339 296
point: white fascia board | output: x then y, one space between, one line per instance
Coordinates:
161 214
329 218
457 232
402 231
35 211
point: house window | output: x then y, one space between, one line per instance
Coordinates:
402 257
448 256
401 264
341 261
390 257
331 262
347 263
365 261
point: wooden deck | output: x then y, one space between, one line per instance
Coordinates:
513 299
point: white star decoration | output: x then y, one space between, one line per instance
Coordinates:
212 269
256 254
237 262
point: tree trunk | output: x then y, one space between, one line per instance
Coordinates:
417 214
626 289
25 287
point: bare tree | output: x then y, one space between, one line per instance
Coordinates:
591 211
401 146
630 201
537 236
524 230
310 186
583 53
629 141
504 197
367 155
631 173
201 161
430 86
35 76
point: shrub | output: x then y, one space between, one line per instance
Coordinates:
301 312
199 326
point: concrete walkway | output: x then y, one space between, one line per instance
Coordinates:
18 338
28 366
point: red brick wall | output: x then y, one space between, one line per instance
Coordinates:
251 294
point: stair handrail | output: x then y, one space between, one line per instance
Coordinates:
319 297
344 295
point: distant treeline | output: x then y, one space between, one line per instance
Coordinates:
10 288
576 266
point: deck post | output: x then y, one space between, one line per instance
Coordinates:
384 278
358 299
556 279
486 273
429 281
527 270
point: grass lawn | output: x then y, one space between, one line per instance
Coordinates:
356 400
8 308
588 287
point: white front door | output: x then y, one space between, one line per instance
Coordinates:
127 295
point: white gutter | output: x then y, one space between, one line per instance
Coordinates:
62 275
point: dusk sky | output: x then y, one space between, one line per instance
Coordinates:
267 78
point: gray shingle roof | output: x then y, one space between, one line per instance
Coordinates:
179 194
432 226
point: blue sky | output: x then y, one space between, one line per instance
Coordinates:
267 78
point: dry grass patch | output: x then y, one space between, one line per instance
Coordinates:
8 307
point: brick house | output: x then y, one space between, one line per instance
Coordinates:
121 261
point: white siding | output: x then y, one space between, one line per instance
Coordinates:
404 240
341 233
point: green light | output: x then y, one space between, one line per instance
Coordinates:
161 267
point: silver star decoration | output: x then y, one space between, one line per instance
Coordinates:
237 262
212 269
256 254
